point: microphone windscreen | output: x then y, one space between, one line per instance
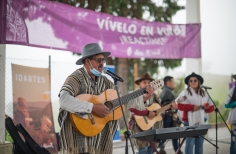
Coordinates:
105 70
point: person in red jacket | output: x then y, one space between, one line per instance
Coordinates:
195 110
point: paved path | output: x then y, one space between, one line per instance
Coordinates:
223 143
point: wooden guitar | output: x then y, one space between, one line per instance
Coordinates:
94 124
145 123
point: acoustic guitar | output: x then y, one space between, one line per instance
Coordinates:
94 124
145 123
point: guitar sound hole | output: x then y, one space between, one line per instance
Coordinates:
109 105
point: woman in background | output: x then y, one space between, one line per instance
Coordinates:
195 110
230 102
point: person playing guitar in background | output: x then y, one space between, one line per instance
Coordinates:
137 107
169 118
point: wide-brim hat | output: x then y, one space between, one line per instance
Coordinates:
145 76
90 50
186 80
234 76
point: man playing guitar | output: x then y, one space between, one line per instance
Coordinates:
138 106
90 107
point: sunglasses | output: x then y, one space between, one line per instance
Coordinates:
192 81
100 60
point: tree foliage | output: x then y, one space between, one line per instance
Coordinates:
179 86
159 10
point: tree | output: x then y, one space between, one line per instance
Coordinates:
179 86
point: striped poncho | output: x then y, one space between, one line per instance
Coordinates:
73 142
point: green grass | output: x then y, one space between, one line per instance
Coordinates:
122 131
8 137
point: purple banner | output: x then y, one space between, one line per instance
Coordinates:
55 25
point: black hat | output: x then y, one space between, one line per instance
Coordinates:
186 80
234 76
145 76
90 50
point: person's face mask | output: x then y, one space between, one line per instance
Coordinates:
94 71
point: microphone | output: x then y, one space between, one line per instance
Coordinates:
205 87
114 76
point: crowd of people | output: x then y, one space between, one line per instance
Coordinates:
93 110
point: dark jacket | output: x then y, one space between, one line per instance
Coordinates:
166 95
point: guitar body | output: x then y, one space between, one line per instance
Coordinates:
85 126
95 124
145 125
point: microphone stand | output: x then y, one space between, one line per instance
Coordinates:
126 133
217 111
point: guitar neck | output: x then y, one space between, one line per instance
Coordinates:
164 108
126 98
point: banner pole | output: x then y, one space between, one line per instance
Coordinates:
135 74
2 90
50 67
193 16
